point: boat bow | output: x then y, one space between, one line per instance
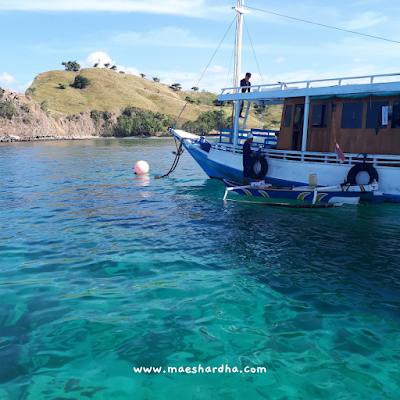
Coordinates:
182 135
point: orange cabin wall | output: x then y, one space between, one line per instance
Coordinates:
350 140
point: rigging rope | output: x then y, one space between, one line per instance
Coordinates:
248 33
230 64
205 70
323 25
179 150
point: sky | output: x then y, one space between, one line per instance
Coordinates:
174 40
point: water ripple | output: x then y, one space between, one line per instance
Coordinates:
102 271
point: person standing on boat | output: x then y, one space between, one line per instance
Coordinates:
245 82
247 159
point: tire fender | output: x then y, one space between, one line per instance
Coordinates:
259 168
373 174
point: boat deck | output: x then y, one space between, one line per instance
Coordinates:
276 92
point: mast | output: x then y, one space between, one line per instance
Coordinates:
240 10
238 62
238 45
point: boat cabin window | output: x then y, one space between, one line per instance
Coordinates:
288 116
374 114
319 116
396 115
352 115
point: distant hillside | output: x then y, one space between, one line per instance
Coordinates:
110 90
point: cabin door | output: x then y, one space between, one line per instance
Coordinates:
298 121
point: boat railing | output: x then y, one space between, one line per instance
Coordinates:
377 160
262 137
226 135
354 80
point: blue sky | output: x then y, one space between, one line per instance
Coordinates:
175 39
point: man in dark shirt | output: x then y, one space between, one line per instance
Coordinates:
247 159
245 82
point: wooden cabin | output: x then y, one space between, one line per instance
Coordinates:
356 122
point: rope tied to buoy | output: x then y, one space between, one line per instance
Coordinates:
179 151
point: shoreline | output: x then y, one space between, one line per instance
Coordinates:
58 138
16 139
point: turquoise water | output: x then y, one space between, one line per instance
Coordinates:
102 271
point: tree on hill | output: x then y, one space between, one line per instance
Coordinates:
258 108
135 122
142 75
156 79
217 103
81 82
7 109
195 88
71 66
176 86
114 68
207 122
107 65
96 65
121 72
95 115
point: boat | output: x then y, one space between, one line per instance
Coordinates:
339 194
360 113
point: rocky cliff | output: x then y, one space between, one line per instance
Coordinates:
29 120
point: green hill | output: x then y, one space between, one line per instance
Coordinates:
111 90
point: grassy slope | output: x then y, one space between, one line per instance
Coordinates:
110 90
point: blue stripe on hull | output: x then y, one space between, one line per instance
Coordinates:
214 169
286 193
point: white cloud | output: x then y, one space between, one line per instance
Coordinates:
213 79
97 57
341 71
7 80
168 36
279 60
22 88
365 20
103 58
128 70
12 83
192 8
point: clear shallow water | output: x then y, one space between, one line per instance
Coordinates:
102 271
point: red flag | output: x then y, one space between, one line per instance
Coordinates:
339 151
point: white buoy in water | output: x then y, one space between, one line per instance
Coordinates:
141 167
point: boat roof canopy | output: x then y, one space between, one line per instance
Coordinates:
361 86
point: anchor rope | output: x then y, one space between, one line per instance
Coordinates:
179 151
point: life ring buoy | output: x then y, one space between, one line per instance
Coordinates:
259 168
358 174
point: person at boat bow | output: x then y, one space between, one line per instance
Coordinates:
247 159
246 83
